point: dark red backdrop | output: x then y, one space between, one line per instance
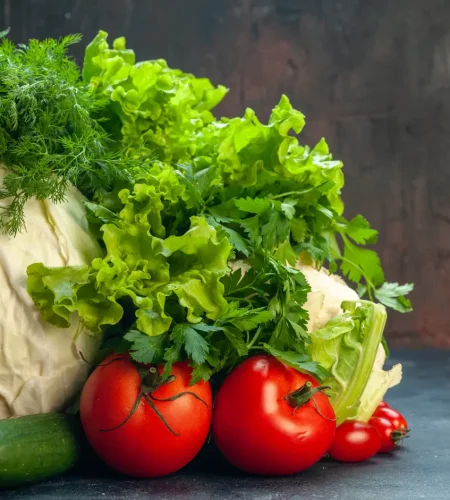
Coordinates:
372 76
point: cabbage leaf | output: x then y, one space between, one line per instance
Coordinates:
347 347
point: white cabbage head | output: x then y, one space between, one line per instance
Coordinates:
328 291
40 365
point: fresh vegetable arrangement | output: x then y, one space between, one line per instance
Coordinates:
191 251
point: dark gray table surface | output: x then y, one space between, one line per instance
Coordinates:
420 470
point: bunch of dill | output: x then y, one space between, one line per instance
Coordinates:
48 135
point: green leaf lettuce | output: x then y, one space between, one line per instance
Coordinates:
142 267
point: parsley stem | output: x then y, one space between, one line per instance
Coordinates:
255 338
303 191
370 285
243 299
289 193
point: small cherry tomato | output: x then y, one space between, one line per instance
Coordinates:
355 442
389 434
382 404
392 415
385 428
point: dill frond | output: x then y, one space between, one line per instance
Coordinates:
49 137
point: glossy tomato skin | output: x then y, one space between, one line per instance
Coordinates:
385 428
355 442
144 446
256 429
394 416
382 404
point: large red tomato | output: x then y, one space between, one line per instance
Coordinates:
141 426
271 419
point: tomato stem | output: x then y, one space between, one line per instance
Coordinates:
399 435
152 380
301 396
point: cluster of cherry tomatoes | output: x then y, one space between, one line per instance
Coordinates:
358 441
267 418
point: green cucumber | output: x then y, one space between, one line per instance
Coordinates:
37 447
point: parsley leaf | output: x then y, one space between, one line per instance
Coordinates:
253 228
195 345
172 355
246 319
393 295
285 253
146 349
361 263
360 231
201 372
238 242
253 205
301 362
234 335
275 229
288 207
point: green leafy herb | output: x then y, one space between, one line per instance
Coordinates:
48 136
301 362
393 295
146 349
194 344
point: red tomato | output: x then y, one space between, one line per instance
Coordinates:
355 442
382 404
385 428
167 429
271 419
394 416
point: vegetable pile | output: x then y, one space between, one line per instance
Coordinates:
220 240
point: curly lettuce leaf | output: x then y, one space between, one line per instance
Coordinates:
150 103
162 277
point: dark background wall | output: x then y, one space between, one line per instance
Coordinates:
372 76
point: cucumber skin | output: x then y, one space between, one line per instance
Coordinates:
37 447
